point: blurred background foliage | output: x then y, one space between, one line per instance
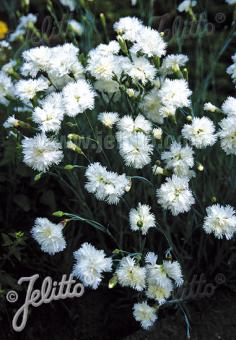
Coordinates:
209 42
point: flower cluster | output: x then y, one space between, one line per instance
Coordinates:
136 93
105 185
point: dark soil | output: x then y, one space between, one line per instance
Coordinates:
211 319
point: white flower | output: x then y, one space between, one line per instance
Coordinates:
229 107
158 273
167 111
179 158
129 28
221 221
134 145
227 135
69 3
36 59
27 89
139 69
130 274
65 61
50 114
48 235
210 107
90 264
151 105
155 273
160 276
105 185
135 149
144 314
104 67
103 50
78 97
173 62
160 292
173 271
40 152
150 42
9 67
129 126
58 61
175 93
151 258
11 122
200 132
186 5
76 27
175 195
108 119
141 218
6 88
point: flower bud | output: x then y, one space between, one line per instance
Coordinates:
157 170
130 92
200 167
113 282
128 187
157 133
58 213
72 146
123 45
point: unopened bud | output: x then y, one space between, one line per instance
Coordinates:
185 74
103 20
72 146
123 45
157 170
69 167
116 251
175 68
200 167
130 92
210 107
113 282
128 186
157 133
157 61
74 137
58 213
38 177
